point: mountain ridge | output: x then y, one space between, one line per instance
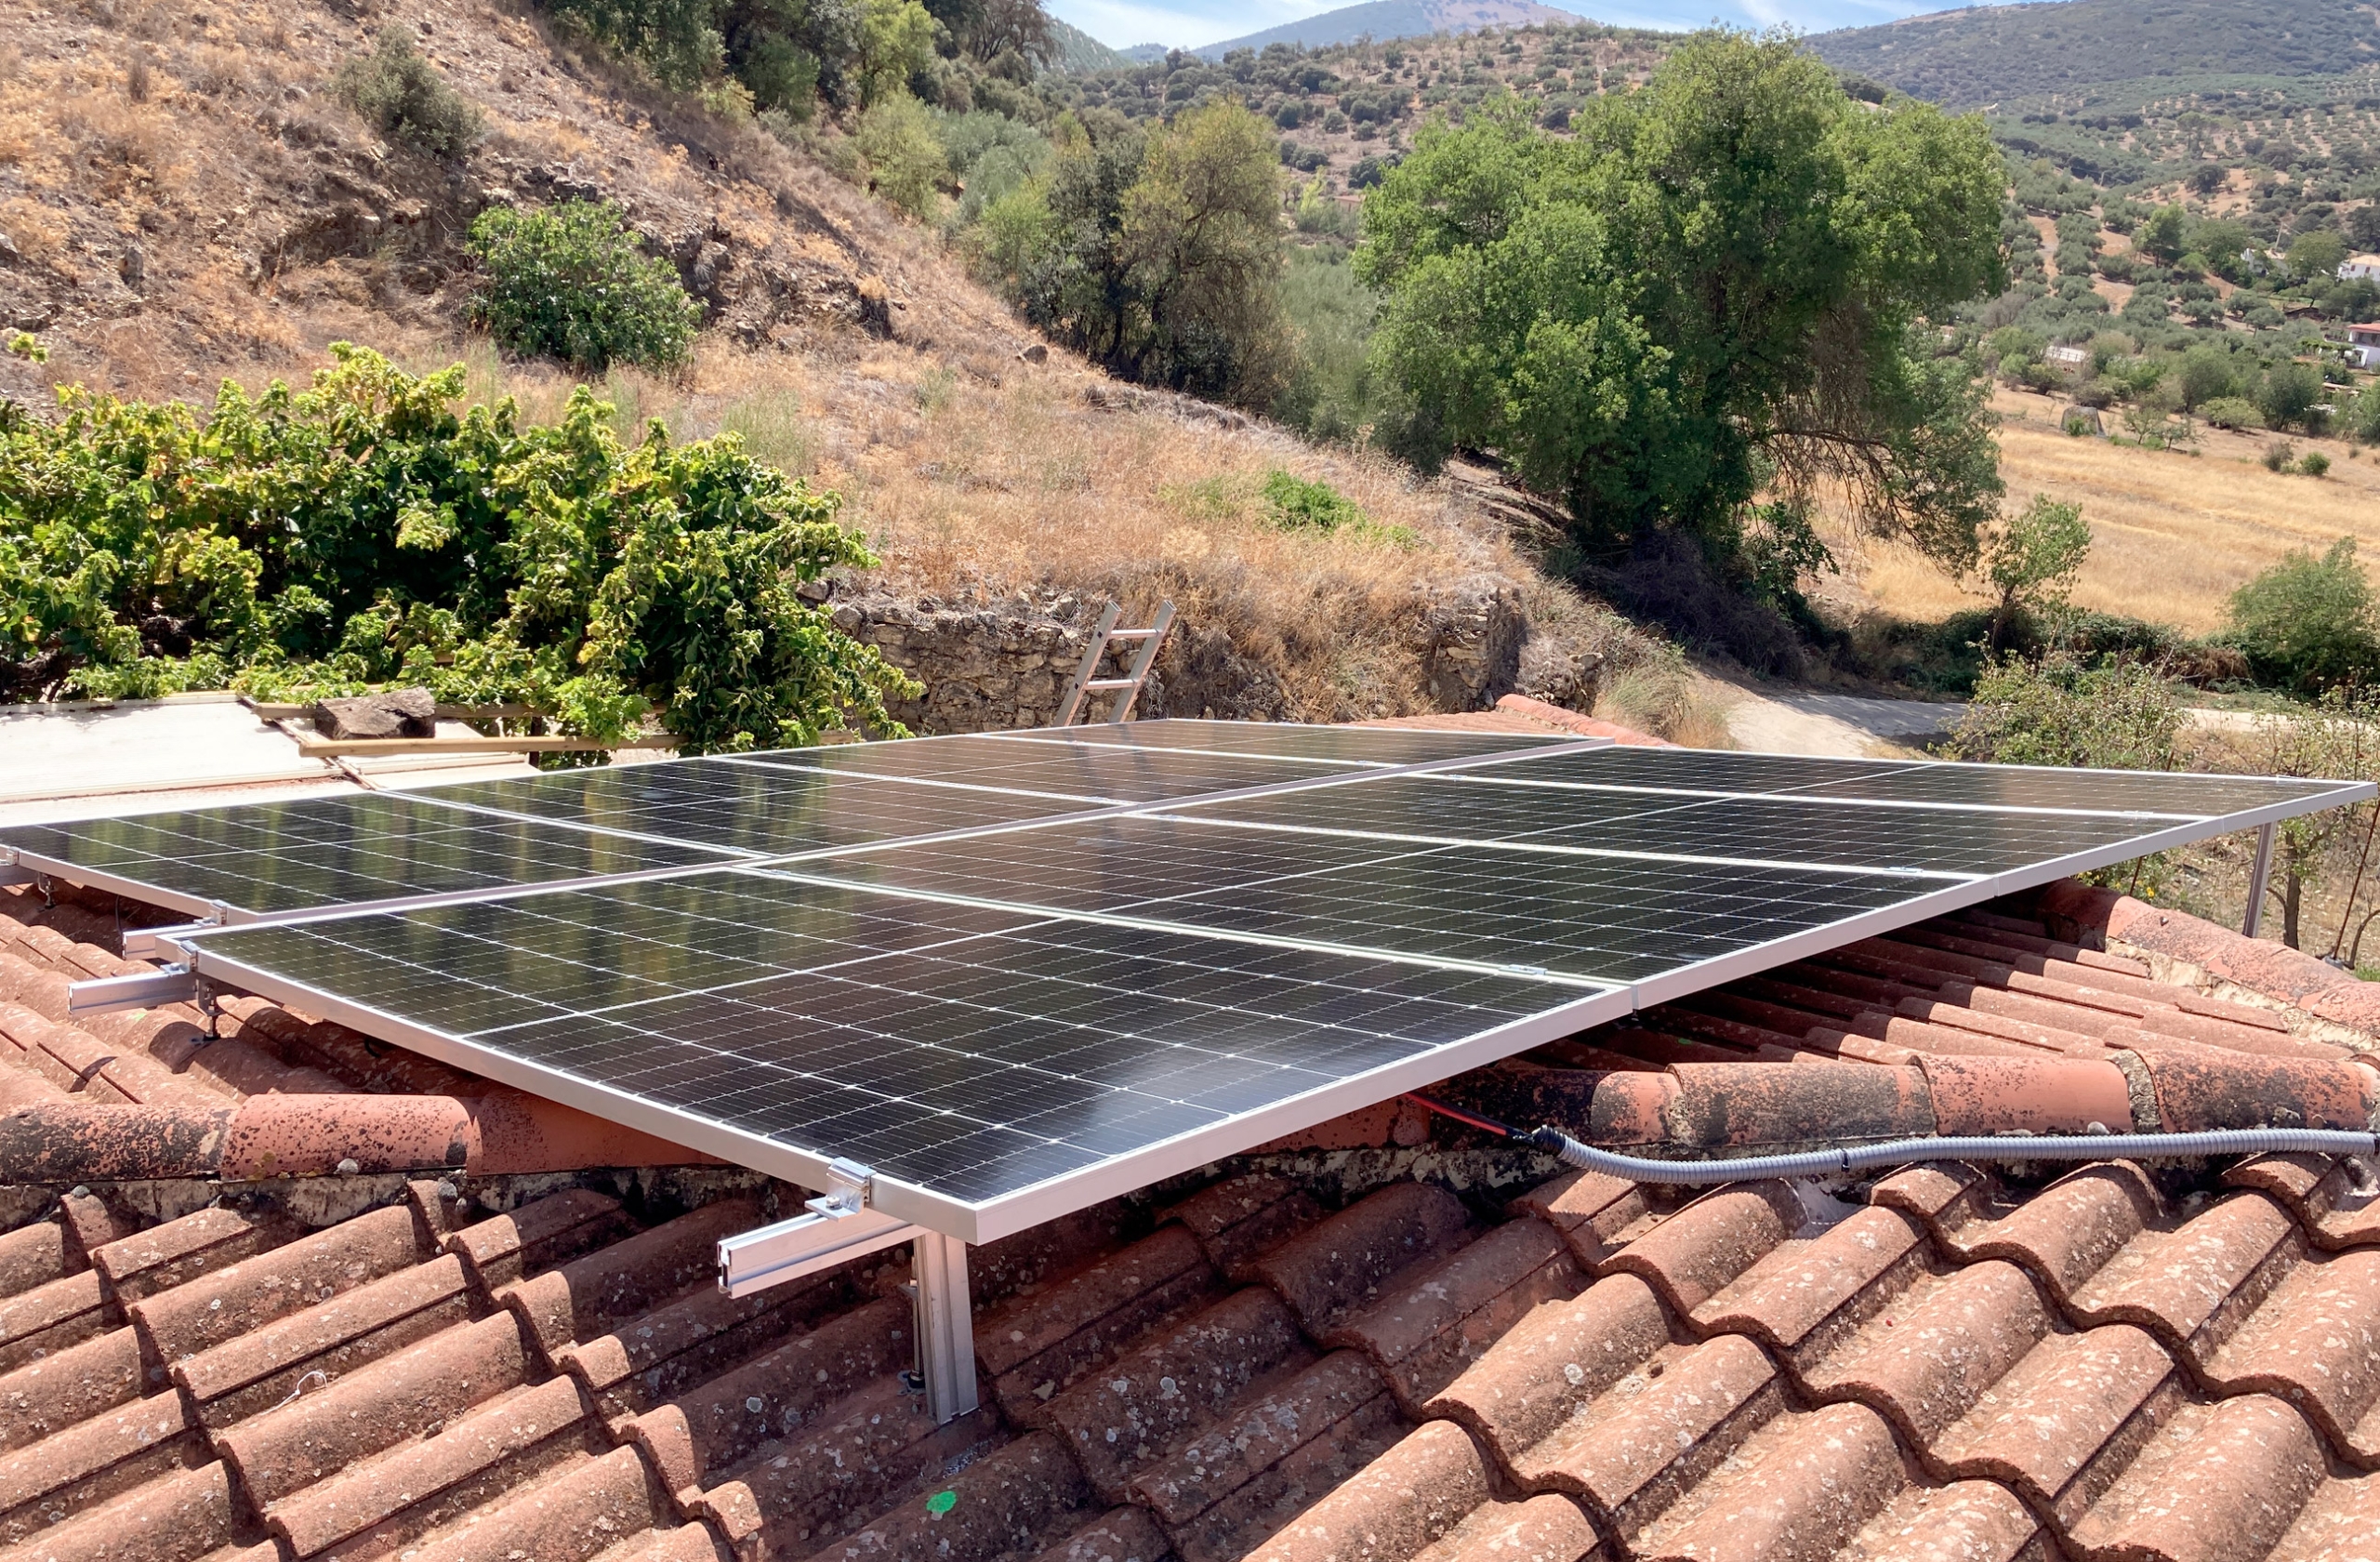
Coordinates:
1383 20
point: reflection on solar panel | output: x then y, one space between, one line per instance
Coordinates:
1046 1012
259 859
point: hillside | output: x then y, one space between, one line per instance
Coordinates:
1078 50
185 199
1346 110
1382 19
1969 59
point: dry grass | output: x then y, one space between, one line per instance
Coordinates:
976 490
2172 534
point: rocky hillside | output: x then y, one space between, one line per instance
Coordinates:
184 199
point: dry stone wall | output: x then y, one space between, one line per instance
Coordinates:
1007 663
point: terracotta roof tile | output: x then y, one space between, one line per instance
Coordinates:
2314 1340
1323 1356
1798 1490
2218 1482
1347 1263
1438 1319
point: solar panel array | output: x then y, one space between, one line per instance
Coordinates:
1016 973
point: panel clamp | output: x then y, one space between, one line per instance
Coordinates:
142 943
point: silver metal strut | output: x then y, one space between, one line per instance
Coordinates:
843 1226
2259 878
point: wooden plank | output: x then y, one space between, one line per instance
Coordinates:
269 711
325 748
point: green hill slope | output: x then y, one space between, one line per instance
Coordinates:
1971 58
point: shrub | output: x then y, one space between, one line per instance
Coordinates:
402 95
2289 394
1295 505
570 282
2232 412
2314 463
2119 714
2309 623
2032 559
2279 455
905 161
360 533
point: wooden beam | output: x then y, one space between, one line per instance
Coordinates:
270 711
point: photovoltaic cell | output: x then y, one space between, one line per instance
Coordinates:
2024 786
263 859
1693 770
1898 781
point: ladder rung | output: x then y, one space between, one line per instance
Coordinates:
1130 634
1097 685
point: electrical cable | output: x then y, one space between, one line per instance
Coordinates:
1903 1152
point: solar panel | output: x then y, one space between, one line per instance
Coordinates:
760 810
1371 745
261 858
1043 1013
1001 1066
1927 782
1107 770
1601 920
1792 830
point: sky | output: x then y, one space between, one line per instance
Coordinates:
1193 23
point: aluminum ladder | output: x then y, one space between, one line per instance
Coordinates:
1127 687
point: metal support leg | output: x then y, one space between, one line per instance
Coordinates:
945 1329
2259 877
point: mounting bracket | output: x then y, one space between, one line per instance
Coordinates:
148 989
843 1226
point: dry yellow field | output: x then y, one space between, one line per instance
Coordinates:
2172 535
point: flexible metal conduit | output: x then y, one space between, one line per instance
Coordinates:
1903 1152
